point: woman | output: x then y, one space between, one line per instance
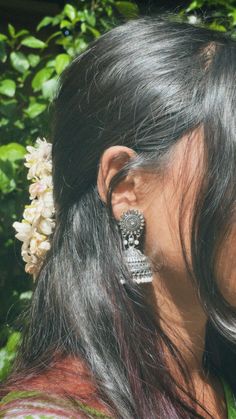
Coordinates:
143 137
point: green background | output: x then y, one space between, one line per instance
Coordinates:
30 62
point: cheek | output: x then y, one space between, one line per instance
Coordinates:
226 267
162 241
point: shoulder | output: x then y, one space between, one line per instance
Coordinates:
39 405
44 395
34 404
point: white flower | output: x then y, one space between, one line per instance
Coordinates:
32 212
46 226
39 169
41 152
26 255
45 245
35 241
40 186
46 201
32 268
24 230
38 217
193 19
38 160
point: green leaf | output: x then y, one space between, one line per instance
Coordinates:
80 46
7 181
8 353
35 109
4 122
70 11
19 61
3 37
50 63
65 24
7 87
40 77
12 152
11 30
8 107
109 10
33 42
127 8
33 59
3 54
4 361
23 77
44 22
62 61
13 341
90 17
49 88
26 295
233 15
196 4
80 16
217 27
21 33
54 35
83 27
56 20
94 31
19 124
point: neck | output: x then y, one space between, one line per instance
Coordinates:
184 322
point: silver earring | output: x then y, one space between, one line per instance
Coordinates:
131 224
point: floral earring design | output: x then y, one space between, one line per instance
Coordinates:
132 224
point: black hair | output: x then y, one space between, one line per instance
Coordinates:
143 84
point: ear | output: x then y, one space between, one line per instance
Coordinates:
125 195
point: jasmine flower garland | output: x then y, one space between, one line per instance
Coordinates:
38 217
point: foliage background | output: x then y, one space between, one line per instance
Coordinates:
30 64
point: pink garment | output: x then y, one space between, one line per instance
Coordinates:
42 395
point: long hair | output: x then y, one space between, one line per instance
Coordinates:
143 84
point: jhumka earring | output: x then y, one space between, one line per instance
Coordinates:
131 224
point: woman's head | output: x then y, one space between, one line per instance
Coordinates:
155 99
145 118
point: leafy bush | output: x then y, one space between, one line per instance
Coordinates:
215 14
31 64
